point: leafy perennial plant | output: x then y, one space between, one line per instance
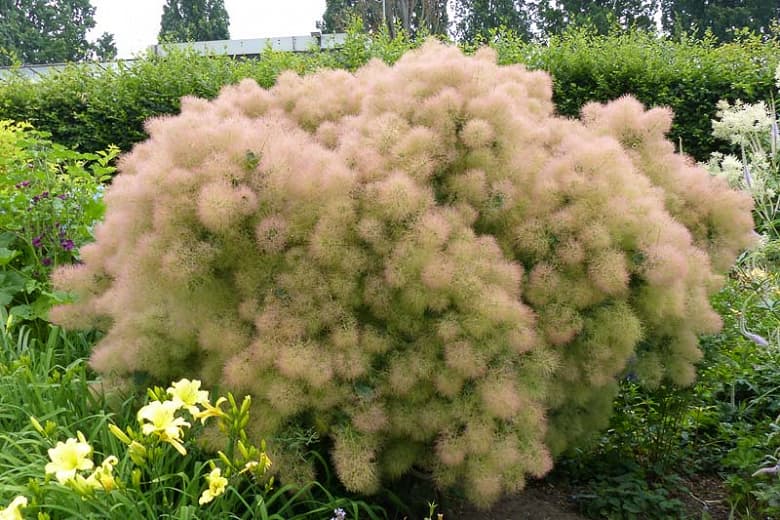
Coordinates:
161 422
51 197
422 262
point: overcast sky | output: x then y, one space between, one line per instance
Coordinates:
135 23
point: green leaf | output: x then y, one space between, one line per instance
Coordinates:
25 312
10 285
31 285
6 239
6 255
57 297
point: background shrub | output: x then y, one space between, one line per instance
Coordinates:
688 75
422 262
89 111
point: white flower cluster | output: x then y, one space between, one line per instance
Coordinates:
727 166
754 129
777 76
740 123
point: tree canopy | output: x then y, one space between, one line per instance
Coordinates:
720 16
602 15
412 16
476 17
50 31
194 20
544 18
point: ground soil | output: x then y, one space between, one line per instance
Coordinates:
703 496
539 501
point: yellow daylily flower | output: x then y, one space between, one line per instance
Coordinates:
158 418
217 486
12 512
210 410
265 462
187 394
103 476
257 467
68 457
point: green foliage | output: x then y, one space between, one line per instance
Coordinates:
689 76
36 31
194 20
51 200
632 471
89 111
743 381
659 440
622 491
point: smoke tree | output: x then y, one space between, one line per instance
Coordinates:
422 262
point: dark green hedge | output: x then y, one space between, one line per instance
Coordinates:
87 110
690 76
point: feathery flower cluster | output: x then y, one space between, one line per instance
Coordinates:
421 260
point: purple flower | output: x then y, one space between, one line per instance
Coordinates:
22 184
746 175
43 195
62 196
755 338
46 261
340 514
771 470
37 241
67 244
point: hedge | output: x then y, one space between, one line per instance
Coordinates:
88 111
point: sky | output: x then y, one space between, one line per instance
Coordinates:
135 23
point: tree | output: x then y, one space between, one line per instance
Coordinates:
338 13
720 16
477 17
53 31
412 16
104 47
194 20
603 15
